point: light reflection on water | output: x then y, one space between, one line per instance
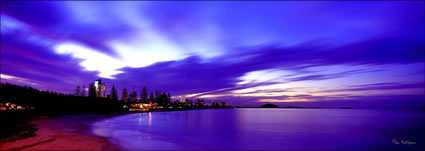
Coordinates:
265 129
150 119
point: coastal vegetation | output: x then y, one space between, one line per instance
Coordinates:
18 104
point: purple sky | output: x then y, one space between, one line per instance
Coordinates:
318 53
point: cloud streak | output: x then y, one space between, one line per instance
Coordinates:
281 52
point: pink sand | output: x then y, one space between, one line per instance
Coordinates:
59 134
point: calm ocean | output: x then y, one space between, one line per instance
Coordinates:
266 129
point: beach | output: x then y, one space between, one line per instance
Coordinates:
71 132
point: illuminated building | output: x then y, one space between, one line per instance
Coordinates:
100 88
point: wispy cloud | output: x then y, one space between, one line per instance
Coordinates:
9 78
250 53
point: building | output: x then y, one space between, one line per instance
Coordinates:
99 88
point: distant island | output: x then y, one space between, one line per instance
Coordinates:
269 106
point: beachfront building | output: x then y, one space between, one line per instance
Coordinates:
98 88
143 106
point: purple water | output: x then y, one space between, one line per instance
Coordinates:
266 129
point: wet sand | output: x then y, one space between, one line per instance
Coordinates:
62 133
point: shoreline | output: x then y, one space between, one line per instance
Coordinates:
67 132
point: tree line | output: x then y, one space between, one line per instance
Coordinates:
159 97
48 102
53 103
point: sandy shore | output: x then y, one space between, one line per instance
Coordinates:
62 133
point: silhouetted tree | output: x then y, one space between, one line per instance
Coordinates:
163 100
83 91
114 93
156 94
144 95
77 91
124 96
133 96
52 103
151 97
169 97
